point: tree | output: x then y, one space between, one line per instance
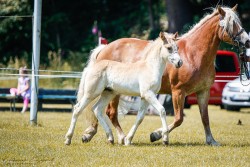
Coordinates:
179 13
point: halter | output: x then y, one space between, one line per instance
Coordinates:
235 38
240 48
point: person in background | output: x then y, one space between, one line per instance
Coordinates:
23 88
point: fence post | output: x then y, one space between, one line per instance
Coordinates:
35 60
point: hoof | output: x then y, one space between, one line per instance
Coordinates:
111 142
127 142
67 142
85 139
165 143
153 137
121 140
213 143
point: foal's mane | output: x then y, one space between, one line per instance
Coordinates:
154 47
229 18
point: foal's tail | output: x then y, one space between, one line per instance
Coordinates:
88 114
91 61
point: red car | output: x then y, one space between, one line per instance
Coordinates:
227 69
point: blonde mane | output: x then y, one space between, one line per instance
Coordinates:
228 19
152 48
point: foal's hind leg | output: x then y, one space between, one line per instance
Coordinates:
98 109
78 108
139 119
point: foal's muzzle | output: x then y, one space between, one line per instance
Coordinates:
179 64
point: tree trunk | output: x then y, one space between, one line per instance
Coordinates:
151 16
179 13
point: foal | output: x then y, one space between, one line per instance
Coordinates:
109 78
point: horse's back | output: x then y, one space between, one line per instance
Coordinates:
123 50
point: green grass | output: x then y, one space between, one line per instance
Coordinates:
43 145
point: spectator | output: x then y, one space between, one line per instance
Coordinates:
23 88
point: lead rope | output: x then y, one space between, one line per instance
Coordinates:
243 64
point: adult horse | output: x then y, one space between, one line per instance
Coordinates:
142 78
197 49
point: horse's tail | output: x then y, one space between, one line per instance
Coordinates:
88 114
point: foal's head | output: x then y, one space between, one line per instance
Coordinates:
231 29
172 48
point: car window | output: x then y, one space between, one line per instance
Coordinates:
224 64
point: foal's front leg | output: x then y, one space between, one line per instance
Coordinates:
139 119
151 98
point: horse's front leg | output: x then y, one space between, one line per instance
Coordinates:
203 97
178 98
112 112
139 119
151 98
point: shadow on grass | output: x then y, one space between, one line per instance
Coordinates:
192 144
174 144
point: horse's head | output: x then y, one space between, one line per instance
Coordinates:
231 29
172 48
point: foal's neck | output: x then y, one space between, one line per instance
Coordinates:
156 60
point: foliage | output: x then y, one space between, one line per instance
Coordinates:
15 32
67 26
23 145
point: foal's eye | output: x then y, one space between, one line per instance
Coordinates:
169 48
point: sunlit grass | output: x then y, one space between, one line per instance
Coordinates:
43 145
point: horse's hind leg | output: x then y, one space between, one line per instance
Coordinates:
112 113
78 108
202 98
98 109
139 119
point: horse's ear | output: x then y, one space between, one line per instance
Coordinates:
176 35
221 11
162 36
235 8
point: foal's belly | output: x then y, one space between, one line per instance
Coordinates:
125 88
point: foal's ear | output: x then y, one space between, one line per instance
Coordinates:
162 36
221 11
235 8
176 35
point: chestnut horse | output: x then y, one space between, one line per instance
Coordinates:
197 49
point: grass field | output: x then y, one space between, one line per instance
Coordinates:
43 145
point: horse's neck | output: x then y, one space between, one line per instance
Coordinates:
156 62
204 42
